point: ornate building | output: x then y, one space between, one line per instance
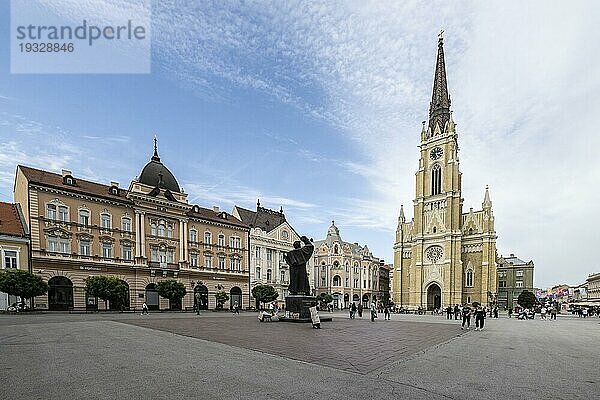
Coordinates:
14 244
271 236
141 235
443 256
347 271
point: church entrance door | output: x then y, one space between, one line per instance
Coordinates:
434 297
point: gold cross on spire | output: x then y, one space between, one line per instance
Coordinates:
440 35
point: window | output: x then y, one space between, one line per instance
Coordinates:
501 284
105 221
63 213
236 264
269 255
364 284
84 247
126 224
170 231
84 217
519 273
257 253
336 250
222 240
207 237
207 261
193 236
10 259
51 211
519 284
257 273
153 229
221 262
323 283
161 229
106 250
154 254
347 280
126 252
347 268
235 242
194 260
356 285
284 235
436 179
52 245
170 256
64 246
269 275
469 279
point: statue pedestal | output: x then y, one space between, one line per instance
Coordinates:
297 308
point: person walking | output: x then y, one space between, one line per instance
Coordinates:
353 311
236 308
510 311
543 312
145 309
496 312
449 312
466 317
456 311
360 310
479 318
553 313
373 311
386 312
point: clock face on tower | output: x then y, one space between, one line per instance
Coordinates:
436 153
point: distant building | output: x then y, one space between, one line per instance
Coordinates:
347 271
271 236
514 276
384 281
593 287
14 244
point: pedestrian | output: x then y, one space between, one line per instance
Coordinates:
145 309
479 318
353 311
510 311
360 310
466 317
386 312
584 312
449 312
456 311
553 313
496 312
373 311
543 312
315 319
236 308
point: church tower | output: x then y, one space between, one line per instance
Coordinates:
428 253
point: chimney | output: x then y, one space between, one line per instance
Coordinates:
66 172
113 183
216 209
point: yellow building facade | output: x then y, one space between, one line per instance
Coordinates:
444 256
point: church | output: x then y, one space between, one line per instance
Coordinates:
444 256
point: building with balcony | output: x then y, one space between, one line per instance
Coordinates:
593 288
347 271
271 236
14 244
141 235
514 276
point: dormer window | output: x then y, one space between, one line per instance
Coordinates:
224 215
69 180
196 209
114 190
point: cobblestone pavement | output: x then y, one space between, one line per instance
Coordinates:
357 345
161 356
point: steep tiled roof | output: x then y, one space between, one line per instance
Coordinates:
10 220
215 216
263 218
512 259
81 186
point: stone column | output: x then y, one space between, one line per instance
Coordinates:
181 244
143 234
138 235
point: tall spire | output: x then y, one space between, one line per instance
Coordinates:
155 157
401 218
439 108
487 203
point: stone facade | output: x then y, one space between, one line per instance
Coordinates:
14 244
142 235
514 276
443 256
347 271
271 236
593 287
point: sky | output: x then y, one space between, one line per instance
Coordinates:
316 107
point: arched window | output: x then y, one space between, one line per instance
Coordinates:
337 281
51 211
257 273
282 278
153 229
336 250
126 224
207 238
469 278
105 221
347 267
84 217
221 240
193 236
161 229
170 231
269 275
436 179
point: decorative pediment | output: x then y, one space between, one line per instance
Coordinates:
58 232
106 239
84 235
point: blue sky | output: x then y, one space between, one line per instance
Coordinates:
317 107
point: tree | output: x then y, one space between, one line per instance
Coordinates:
107 288
325 298
264 293
526 299
21 283
221 297
172 290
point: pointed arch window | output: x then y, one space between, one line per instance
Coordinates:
436 180
469 278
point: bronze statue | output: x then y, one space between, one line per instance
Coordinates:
297 260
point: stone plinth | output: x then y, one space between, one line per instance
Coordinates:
297 308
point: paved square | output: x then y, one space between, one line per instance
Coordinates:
357 345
